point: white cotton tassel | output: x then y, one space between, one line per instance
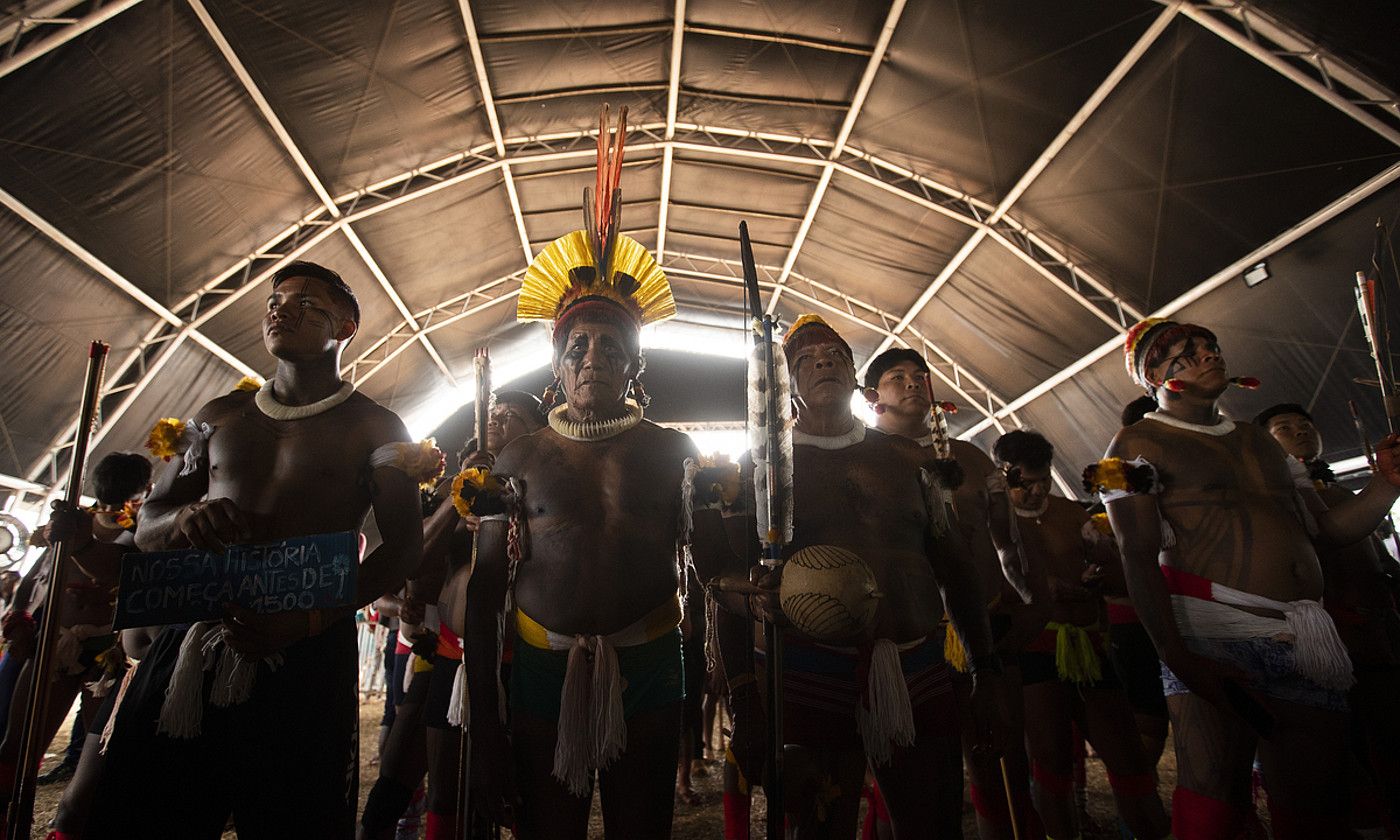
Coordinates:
195 441
690 468
67 651
610 733
116 707
889 718
183 710
458 708
409 669
573 746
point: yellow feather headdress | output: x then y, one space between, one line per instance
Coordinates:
598 264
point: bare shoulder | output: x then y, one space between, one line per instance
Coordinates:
668 441
518 453
1140 440
224 408
379 424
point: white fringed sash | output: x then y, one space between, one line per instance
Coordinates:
205 649
1318 650
886 718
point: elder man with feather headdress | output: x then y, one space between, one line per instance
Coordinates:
588 567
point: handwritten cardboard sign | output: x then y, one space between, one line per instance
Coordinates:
174 587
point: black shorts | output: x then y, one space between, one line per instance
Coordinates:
1039 667
439 692
284 764
1135 660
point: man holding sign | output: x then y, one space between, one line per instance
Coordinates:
273 738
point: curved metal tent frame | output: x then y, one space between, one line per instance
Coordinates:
1283 50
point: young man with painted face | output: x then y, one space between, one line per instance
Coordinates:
1359 583
898 388
1064 677
871 493
1215 532
306 454
588 569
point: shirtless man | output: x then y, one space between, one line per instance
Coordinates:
873 494
85 638
1359 583
591 564
1065 680
1250 658
304 455
897 387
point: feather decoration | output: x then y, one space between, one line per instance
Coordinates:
775 523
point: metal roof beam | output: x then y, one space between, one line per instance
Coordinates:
668 159
224 289
867 80
269 115
67 30
732 32
1365 190
120 282
1282 50
1096 99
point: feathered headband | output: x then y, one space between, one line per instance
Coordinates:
597 269
811 329
1147 338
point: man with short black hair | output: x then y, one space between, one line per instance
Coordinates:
899 390
303 455
85 638
1063 676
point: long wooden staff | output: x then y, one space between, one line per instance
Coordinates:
481 364
21 810
1376 327
767 405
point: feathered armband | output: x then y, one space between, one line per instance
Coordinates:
172 436
1114 478
475 492
422 461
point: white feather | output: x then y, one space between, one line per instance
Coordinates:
777 520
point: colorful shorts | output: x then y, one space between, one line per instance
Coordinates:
1272 670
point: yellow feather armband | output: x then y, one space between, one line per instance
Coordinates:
1115 478
475 492
422 461
164 439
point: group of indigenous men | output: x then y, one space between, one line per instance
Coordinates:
1233 589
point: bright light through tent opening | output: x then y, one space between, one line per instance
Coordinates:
528 357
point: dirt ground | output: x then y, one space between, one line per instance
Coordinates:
692 822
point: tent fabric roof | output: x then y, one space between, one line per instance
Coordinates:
1004 186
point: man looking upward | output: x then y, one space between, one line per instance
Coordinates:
306 454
